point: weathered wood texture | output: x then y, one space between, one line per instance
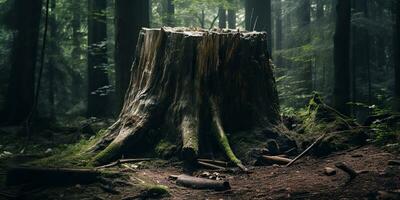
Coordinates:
190 87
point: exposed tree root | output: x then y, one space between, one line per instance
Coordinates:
221 137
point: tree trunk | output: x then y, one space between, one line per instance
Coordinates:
98 99
304 16
169 9
360 57
20 94
396 47
258 17
278 32
127 27
232 15
320 9
51 58
191 88
222 17
341 91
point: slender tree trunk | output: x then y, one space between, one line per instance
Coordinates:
231 18
258 17
278 32
320 9
130 17
169 10
361 76
20 94
51 58
222 17
396 47
98 99
304 16
341 91
77 52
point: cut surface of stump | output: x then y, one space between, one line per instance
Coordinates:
191 88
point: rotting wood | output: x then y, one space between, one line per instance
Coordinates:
201 183
176 72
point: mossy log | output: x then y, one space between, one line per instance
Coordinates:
192 87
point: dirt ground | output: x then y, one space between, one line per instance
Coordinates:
303 180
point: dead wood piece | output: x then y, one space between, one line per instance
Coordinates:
276 160
122 161
50 176
201 183
307 150
215 162
346 168
212 166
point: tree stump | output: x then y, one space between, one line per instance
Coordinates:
190 87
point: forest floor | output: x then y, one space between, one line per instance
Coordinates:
303 180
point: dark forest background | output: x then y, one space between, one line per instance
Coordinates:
83 71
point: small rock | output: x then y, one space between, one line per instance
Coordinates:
394 162
49 150
329 171
215 174
205 174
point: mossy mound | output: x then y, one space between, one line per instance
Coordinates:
342 132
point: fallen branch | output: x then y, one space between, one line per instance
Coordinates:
215 162
201 183
276 160
122 161
307 150
209 165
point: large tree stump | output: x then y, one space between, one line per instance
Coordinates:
190 87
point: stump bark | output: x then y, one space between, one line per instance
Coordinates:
190 87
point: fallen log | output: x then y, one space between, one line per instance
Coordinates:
201 183
276 160
50 176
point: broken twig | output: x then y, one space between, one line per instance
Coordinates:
307 150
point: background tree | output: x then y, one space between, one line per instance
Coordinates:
396 46
98 99
20 93
258 17
130 17
341 92
221 17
